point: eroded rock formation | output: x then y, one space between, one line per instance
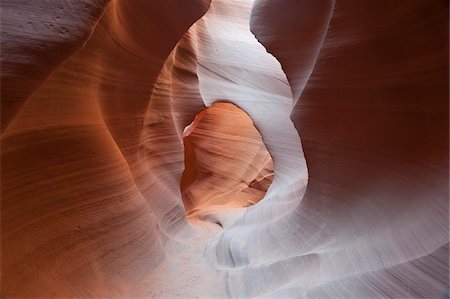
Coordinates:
227 165
350 99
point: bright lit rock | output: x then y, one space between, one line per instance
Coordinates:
344 102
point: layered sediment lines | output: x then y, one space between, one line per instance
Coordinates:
76 217
350 100
373 118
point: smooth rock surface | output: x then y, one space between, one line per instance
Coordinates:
227 165
350 99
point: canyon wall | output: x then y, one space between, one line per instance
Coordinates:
349 98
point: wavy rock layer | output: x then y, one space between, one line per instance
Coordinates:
76 220
95 100
373 119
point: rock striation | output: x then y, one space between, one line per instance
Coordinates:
314 132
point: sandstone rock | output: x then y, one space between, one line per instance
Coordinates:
345 102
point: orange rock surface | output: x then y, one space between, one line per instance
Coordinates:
131 128
226 162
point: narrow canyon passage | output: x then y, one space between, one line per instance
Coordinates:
224 149
227 165
232 69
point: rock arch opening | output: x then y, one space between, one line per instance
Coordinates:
227 165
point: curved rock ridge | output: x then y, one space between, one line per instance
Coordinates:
103 103
76 220
226 163
373 117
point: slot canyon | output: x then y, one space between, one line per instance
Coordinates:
224 149
227 166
